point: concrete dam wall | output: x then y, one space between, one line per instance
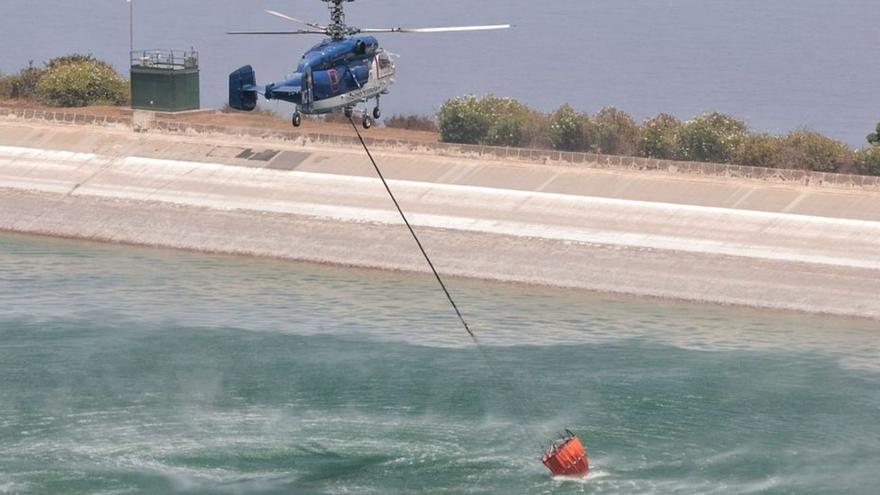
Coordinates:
699 238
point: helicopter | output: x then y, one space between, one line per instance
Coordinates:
345 69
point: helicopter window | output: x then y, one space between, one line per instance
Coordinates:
334 80
385 67
384 62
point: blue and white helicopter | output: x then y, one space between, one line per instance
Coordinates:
342 71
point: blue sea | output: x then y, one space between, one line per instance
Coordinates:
779 65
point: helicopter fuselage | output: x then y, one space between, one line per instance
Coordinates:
342 71
332 75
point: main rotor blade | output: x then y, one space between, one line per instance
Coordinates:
454 29
277 32
294 19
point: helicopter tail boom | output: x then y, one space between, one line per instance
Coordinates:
243 89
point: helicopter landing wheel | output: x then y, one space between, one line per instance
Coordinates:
377 113
297 119
368 122
348 111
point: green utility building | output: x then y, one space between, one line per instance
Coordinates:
165 80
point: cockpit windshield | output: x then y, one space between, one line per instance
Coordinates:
384 61
386 68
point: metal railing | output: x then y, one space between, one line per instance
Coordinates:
165 59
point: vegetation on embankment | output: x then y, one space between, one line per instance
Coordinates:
712 137
81 80
69 81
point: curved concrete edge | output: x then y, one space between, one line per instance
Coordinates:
705 230
168 125
692 277
726 242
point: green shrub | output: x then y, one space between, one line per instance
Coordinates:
506 131
874 138
659 137
78 83
75 58
570 130
462 120
24 84
5 87
868 160
508 119
813 151
710 138
758 150
412 122
565 131
536 130
615 132
488 120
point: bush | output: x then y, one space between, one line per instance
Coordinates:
24 84
758 150
536 130
81 82
710 138
813 151
5 87
508 119
488 120
506 131
615 132
874 138
462 120
570 130
868 160
411 122
75 59
659 137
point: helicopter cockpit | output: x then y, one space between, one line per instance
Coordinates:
385 67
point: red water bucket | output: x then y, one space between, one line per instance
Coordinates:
567 457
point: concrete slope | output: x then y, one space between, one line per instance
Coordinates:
241 151
698 229
237 204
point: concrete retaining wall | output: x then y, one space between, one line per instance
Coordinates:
591 160
676 236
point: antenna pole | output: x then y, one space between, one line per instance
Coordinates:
130 26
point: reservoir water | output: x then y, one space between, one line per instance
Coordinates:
129 370
778 65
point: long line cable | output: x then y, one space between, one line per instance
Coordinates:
500 382
413 232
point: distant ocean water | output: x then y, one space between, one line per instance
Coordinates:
779 65
128 370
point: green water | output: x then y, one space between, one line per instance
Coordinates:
126 370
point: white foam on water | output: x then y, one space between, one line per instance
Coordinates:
868 363
10 487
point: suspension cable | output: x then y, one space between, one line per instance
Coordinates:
502 383
414 236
